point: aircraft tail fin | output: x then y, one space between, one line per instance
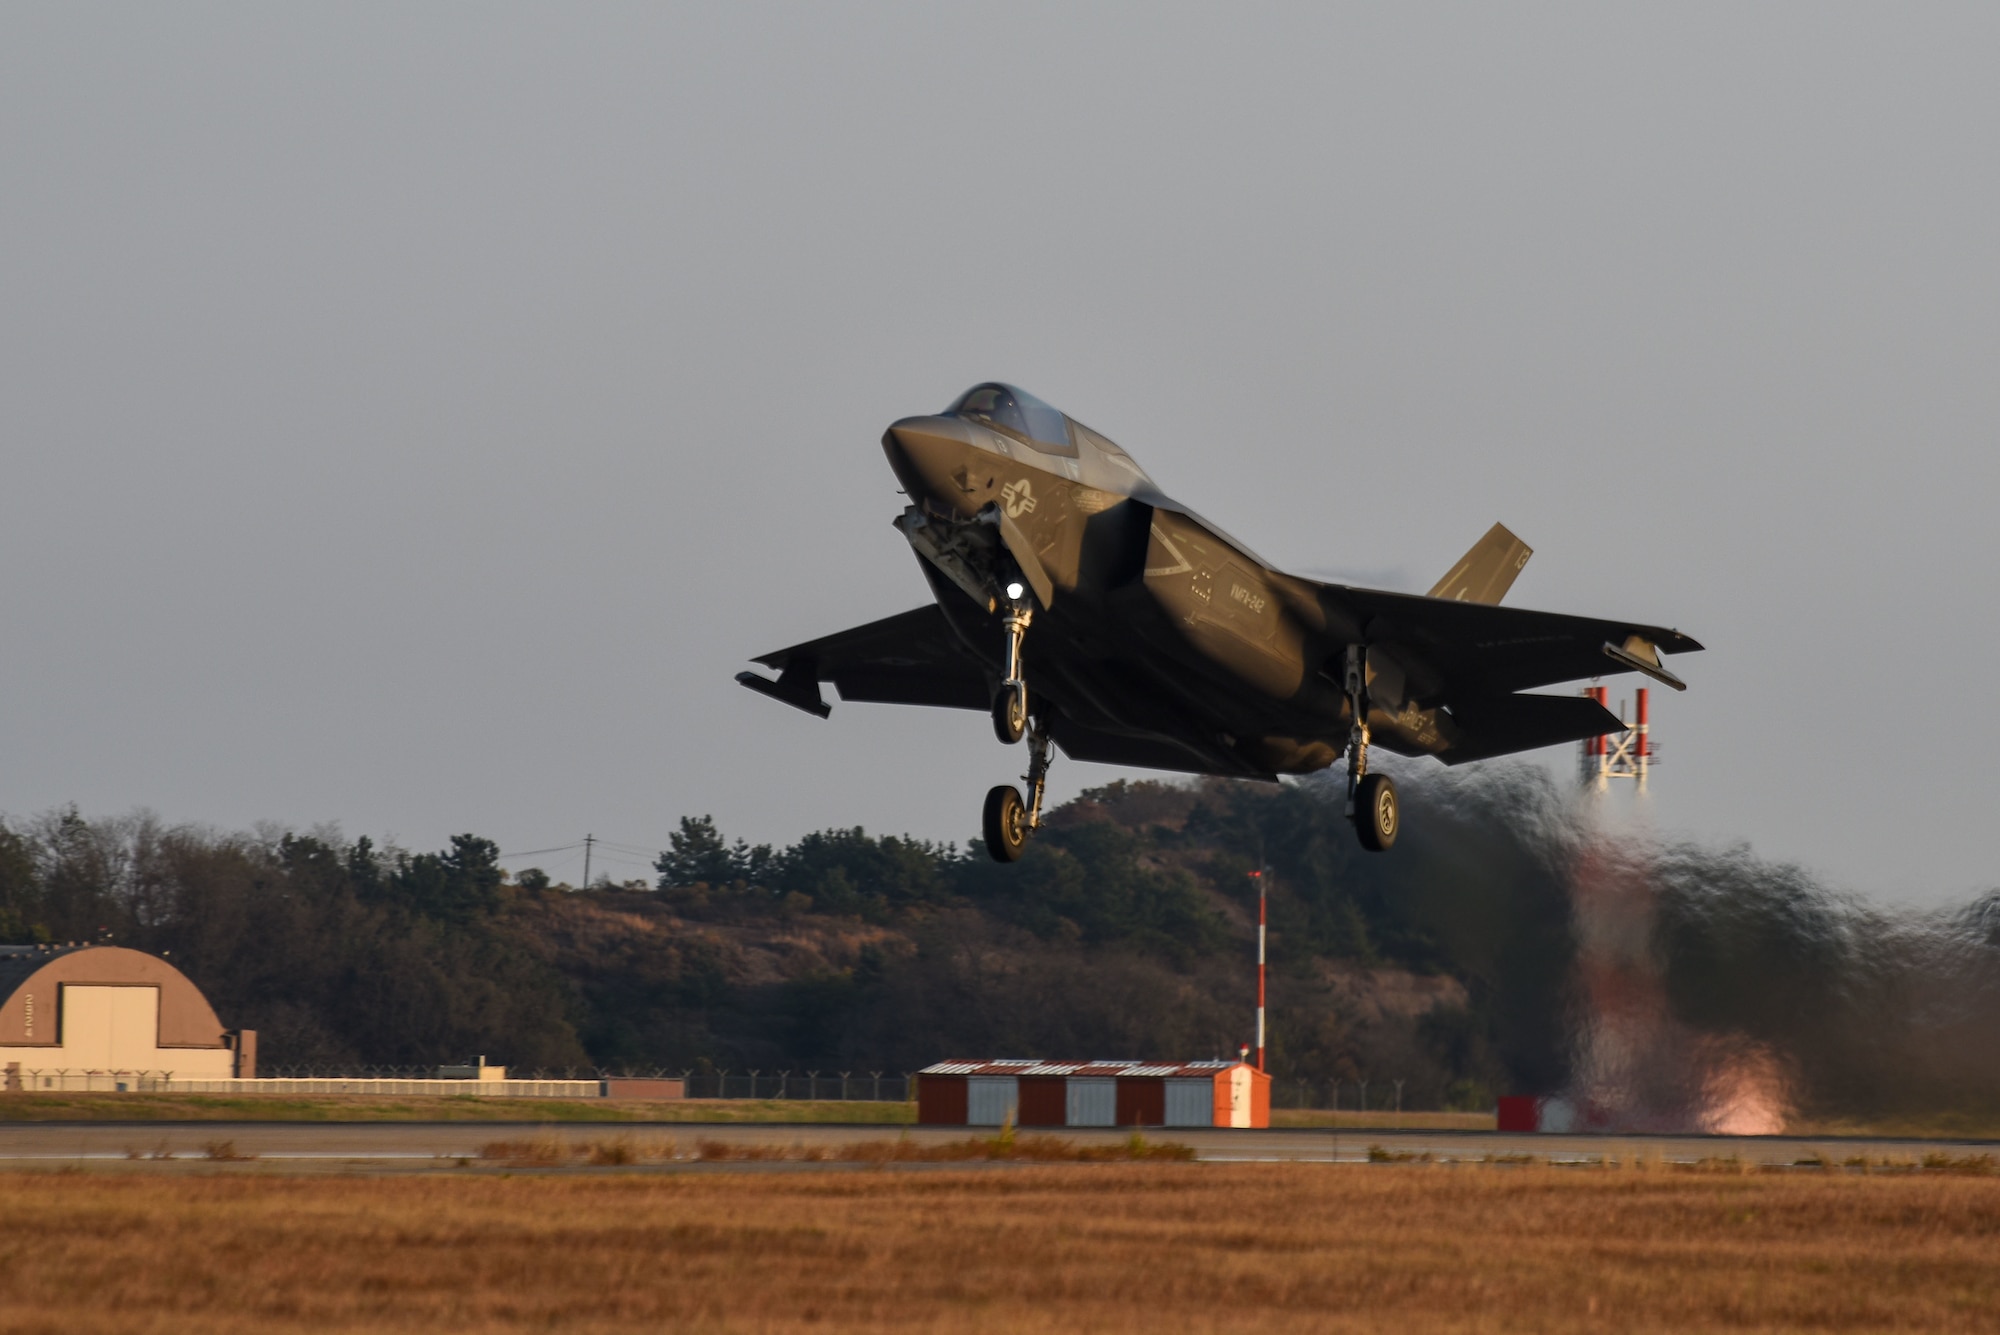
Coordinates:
1484 574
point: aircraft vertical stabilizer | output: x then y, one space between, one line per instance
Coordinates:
1484 574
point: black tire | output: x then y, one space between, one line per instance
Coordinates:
1377 814
1006 823
1010 715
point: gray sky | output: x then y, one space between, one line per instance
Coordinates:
412 419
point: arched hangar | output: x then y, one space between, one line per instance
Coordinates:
92 1008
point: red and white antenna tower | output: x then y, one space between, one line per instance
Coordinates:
1619 755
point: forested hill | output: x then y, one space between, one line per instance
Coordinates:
1127 931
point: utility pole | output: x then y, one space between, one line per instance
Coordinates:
588 840
1261 877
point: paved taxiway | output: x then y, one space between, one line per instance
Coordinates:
23 1144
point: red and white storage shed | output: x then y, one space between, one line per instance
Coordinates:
1056 1094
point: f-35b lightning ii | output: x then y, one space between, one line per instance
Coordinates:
1085 608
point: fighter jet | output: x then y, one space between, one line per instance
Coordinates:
1088 610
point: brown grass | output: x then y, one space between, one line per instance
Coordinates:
546 1150
1250 1247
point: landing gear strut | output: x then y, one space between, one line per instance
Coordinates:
1010 706
1371 798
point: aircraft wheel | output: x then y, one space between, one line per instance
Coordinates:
1010 714
1377 816
1006 823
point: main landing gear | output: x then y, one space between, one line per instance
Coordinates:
1008 820
1371 798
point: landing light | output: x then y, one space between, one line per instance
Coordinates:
1015 590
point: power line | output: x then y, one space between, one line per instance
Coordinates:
634 849
537 852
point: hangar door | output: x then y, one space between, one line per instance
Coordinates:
110 1028
1190 1102
991 1100
1092 1101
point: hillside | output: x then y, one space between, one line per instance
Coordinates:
1504 944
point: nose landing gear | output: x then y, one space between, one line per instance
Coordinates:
1006 824
1010 706
1008 820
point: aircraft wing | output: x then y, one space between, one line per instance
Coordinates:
1473 650
913 658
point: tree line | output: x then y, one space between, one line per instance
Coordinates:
1126 931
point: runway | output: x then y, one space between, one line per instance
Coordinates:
28 1144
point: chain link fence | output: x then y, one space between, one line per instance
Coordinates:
852 1086
88 1082
813 1086
1371 1095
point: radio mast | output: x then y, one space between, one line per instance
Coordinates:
1619 755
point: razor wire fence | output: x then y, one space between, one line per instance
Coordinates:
811 1086
1390 1095
65 1081
1387 1096
800 1086
783 1085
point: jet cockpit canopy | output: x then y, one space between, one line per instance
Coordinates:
1021 416
1016 412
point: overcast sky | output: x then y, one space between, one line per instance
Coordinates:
411 418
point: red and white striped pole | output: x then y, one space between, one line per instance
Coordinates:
1261 897
1642 745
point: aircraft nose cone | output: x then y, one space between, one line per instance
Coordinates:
928 454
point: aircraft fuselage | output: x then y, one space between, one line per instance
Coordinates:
1156 607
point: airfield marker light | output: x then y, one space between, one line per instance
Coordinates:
1015 590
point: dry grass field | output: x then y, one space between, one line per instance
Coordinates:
1143 1247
